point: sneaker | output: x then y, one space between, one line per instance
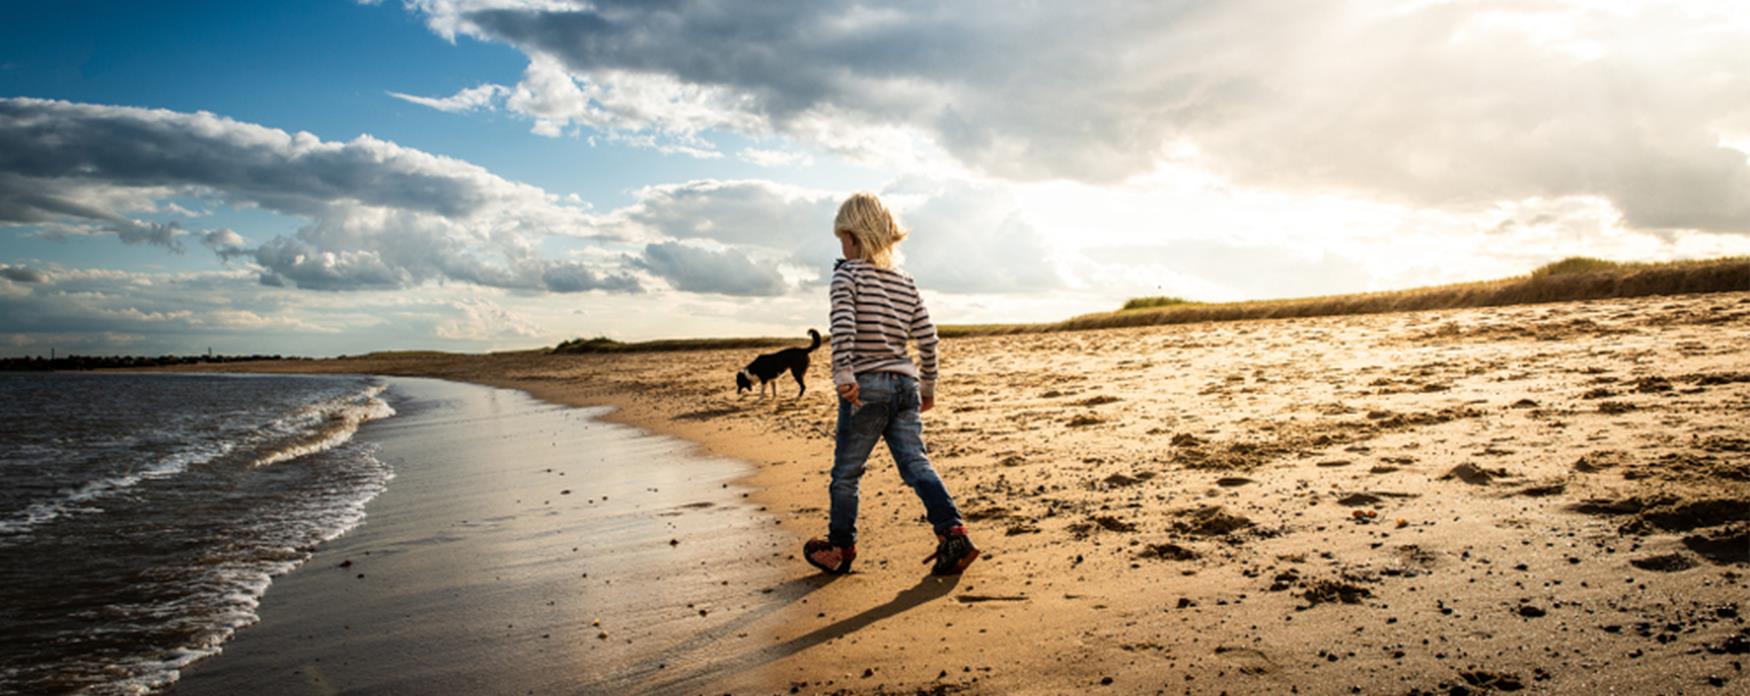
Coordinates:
832 559
954 551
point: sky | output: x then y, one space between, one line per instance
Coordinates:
332 177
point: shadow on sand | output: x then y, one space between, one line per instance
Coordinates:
697 648
926 590
709 413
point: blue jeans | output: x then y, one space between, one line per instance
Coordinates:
889 410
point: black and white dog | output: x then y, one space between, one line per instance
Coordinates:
768 367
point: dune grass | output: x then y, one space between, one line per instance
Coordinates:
1583 264
1576 278
1153 302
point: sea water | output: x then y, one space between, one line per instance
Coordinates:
143 516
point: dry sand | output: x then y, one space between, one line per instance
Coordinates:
1549 497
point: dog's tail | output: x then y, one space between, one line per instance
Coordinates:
816 336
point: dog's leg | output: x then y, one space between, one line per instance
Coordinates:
802 387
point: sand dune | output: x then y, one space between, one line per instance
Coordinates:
1551 497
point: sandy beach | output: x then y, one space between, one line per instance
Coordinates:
1545 497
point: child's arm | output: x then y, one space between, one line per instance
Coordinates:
843 323
924 332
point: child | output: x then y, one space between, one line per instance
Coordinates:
875 312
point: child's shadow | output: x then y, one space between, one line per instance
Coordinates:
927 589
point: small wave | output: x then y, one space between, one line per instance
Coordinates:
232 589
151 673
336 421
310 429
225 590
43 511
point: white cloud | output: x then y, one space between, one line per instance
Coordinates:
747 212
641 109
248 321
185 212
381 215
1431 104
225 242
549 96
775 158
691 268
967 238
476 319
100 311
482 97
1209 242
93 301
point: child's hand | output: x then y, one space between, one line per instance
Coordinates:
928 403
850 392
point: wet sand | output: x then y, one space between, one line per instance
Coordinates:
521 547
1545 497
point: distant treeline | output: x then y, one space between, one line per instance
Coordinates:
98 362
603 344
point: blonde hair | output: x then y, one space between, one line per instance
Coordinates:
871 226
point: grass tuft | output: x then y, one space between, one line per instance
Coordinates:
1575 264
1153 302
599 344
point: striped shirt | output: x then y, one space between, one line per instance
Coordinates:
875 313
